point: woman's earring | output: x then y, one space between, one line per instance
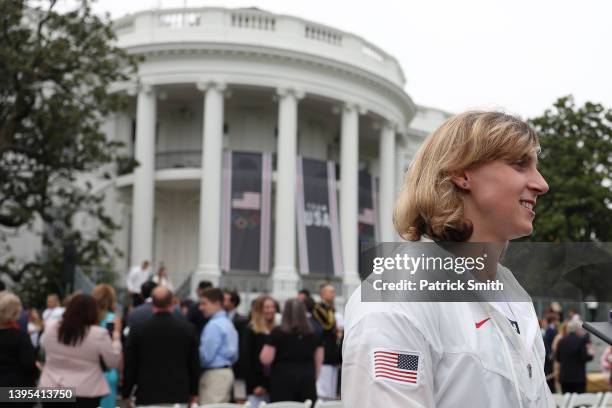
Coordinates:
464 185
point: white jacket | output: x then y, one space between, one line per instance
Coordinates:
466 354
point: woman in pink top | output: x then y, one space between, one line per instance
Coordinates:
75 348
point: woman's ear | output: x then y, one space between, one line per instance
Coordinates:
461 181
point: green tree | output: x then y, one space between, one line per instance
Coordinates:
56 70
576 161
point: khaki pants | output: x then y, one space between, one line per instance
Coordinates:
215 385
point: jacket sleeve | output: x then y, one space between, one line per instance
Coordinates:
109 350
130 368
27 359
194 362
366 380
252 366
585 353
246 356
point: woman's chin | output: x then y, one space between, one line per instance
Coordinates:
524 231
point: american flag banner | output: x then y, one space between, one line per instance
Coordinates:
246 211
397 367
247 200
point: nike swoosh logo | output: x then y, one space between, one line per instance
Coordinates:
480 323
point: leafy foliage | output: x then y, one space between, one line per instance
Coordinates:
56 71
576 161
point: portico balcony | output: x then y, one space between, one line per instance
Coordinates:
192 159
177 159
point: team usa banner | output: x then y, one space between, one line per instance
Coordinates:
317 218
368 197
246 209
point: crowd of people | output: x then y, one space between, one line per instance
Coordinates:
157 349
568 350
161 350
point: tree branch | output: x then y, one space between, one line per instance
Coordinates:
42 22
18 274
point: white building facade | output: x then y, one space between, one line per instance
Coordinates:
243 80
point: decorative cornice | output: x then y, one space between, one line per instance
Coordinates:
284 55
348 106
296 93
205 85
391 125
385 124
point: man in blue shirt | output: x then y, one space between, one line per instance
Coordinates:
218 349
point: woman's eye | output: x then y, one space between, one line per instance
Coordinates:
520 163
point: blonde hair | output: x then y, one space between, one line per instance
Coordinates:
429 202
259 324
10 307
105 297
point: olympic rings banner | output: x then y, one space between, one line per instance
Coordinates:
317 218
246 211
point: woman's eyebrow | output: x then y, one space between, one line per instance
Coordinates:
525 158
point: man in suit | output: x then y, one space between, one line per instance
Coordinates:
573 352
144 312
231 300
194 314
161 357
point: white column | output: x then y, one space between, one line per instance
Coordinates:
400 173
349 180
400 164
387 182
210 185
143 196
285 277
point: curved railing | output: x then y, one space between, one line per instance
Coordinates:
178 159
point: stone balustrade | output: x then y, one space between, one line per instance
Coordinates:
257 28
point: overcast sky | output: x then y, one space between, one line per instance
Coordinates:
516 55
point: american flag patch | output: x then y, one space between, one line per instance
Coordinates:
397 367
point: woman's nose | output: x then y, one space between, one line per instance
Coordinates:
538 183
